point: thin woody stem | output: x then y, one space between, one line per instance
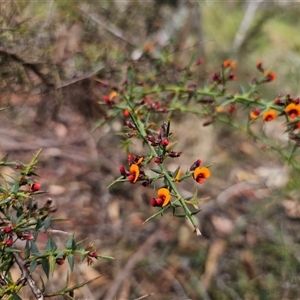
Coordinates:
142 132
27 277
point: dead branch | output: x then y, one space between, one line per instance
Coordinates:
34 67
26 277
135 258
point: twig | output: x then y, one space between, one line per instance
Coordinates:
30 65
124 274
27 277
144 297
109 27
75 80
245 24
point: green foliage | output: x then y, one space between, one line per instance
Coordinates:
22 220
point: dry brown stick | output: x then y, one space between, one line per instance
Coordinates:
135 258
32 66
144 297
81 78
27 277
109 27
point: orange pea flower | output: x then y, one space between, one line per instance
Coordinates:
126 113
254 113
269 76
293 110
112 95
163 199
134 173
200 174
269 115
229 64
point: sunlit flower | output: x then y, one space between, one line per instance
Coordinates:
134 173
269 115
229 64
148 47
112 95
254 113
163 199
126 113
269 76
200 174
293 110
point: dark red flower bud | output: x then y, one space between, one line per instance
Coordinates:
165 142
103 84
174 154
231 109
259 67
7 229
144 100
106 98
130 125
129 135
126 113
60 261
153 202
231 76
195 165
48 203
200 61
123 171
23 235
130 158
164 126
151 138
158 160
156 202
207 123
159 201
93 253
131 178
8 242
35 187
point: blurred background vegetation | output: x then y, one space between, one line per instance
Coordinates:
53 52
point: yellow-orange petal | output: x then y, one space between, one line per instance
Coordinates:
165 195
229 64
219 109
112 95
293 110
134 169
254 114
203 172
269 76
269 115
140 160
176 179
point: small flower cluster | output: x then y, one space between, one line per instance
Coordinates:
285 106
135 172
91 253
198 173
225 74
